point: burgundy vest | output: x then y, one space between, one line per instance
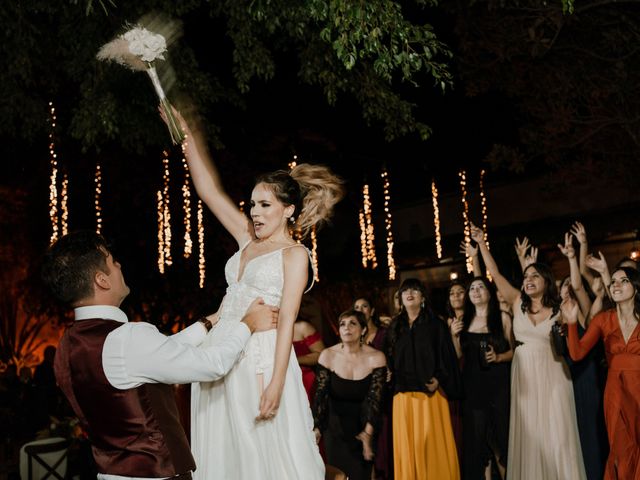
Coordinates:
134 432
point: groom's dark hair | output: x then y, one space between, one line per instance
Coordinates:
71 263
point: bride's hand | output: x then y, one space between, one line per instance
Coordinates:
181 121
270 401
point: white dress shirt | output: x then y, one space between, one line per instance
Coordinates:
136 353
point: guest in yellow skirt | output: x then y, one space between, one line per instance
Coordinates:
425 373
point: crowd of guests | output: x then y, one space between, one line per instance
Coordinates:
539 380
535 381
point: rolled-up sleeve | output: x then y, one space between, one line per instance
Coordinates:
138 353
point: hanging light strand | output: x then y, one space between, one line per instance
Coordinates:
53 179
201 260
436 219
166 214
98 198
363 238
314 254
160 217
186 205
465 215
391 263
483 200
64 205
370 234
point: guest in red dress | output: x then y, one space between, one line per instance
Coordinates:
619 330
307 344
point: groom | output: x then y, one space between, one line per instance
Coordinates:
117 375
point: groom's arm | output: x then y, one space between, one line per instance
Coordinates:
138 353
195 333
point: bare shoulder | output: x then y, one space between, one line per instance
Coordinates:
305 328
375 357
295 253
327 357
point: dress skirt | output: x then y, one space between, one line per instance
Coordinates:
423 443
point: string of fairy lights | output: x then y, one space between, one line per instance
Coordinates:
97 198
483 204
388 224
186 206
201 260
367 236
59 214
436 219
465 217
64 205
53 178
163 215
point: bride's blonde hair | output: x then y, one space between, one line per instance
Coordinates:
312 189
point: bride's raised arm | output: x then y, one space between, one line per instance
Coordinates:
209 187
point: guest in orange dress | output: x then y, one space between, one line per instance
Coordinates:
307 344
619 330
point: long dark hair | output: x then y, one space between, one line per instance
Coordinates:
634 277
550 297
374 316
494 314
456 283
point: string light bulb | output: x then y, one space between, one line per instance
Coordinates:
166 213
363 238
436 218
314 254
293 163
186 205
369 230
53 178
483 203
160 217
97 199
64 205
465 216
201 260
391 263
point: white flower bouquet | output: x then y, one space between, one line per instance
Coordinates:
139 49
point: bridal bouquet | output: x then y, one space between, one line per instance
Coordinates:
139 49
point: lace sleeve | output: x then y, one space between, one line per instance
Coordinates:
372 404
321 399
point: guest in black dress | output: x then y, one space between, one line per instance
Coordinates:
346 409
375 337
484 340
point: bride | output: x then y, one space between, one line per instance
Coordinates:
256 422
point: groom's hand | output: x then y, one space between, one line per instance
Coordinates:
261 317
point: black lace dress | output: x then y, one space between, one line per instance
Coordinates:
485 408
340 410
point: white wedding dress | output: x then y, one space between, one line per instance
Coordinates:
227 442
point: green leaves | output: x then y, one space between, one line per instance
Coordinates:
363 49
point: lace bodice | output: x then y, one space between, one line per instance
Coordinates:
263 276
